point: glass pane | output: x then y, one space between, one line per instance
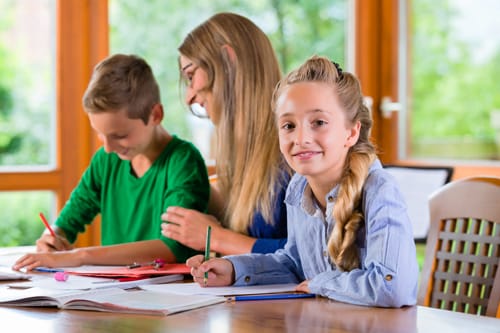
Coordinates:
154 30
454 99
27 86
21 224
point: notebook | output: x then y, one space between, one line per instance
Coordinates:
107 300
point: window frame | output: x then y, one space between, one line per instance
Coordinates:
377 65
82 40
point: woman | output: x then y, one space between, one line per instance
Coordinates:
230 69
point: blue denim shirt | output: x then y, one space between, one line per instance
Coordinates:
388 276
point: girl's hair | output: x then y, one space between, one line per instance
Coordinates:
248 160
122 82
347 209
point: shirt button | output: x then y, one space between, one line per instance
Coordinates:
388 277
330 199
325 253
247 279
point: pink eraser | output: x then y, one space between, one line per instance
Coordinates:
61 276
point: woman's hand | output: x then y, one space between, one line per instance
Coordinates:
220 271
187 226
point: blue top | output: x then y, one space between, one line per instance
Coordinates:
271 236
388 275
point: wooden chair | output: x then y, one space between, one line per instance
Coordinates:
462 258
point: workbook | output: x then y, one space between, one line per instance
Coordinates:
107 300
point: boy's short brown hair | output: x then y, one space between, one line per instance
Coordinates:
122 82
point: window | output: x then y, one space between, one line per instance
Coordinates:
27 112
40 171
27 89
154 33
451 102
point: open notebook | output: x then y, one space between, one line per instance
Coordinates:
107 300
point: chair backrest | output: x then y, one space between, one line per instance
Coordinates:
463 248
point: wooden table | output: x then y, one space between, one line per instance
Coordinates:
298 315
293 315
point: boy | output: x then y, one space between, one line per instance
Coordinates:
139 171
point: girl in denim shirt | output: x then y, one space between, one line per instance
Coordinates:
349 235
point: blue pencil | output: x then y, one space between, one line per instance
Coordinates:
269 297
47 270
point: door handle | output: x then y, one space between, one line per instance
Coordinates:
387 107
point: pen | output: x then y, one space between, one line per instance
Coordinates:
47 270
207 252
269 297
47 225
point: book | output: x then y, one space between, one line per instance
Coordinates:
114 300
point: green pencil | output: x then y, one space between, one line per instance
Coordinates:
207 252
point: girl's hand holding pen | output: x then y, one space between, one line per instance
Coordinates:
220 271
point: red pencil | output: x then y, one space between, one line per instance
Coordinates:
47 225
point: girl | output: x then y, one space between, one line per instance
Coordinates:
349 235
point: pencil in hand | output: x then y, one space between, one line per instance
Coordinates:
207 253
47 225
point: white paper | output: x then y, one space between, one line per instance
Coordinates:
7 273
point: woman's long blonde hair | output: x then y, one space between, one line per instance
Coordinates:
248 160
347 210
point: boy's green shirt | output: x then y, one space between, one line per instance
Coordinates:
131 207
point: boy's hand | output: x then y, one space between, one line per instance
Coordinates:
49 243
31 261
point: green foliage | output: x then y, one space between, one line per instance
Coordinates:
21 225
26 94
450 88
297 29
